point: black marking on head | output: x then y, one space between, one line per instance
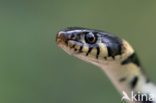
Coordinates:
73 46
131 58
105 58
113 43
90 49
80 50
75 49
108 49
113 49
134 82
120 50
122 79
98 51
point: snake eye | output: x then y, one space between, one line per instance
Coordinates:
90 38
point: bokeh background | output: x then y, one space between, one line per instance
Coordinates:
33 69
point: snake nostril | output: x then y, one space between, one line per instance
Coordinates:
61 37
73 36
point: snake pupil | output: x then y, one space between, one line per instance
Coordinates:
90 38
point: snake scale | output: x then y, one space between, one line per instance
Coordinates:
115 56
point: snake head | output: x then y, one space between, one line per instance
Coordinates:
92 45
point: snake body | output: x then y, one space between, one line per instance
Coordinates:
115 56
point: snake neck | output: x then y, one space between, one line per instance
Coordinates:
128 77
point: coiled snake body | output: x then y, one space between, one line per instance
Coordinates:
114 56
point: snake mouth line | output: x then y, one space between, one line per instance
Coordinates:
67 48
75 52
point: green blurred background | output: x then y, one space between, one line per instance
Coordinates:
33 69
